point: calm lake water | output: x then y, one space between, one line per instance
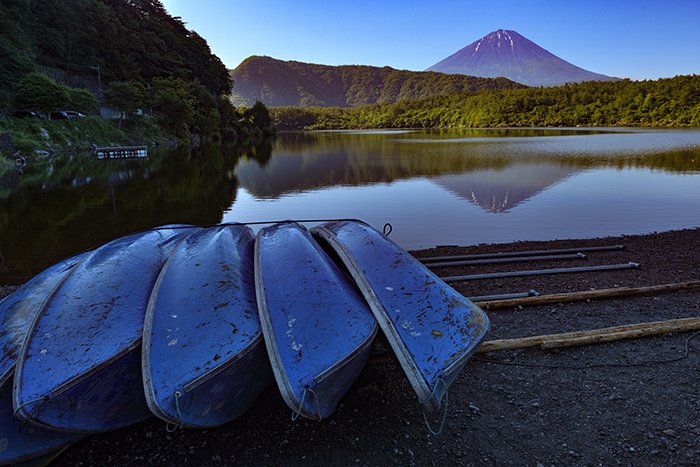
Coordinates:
434 187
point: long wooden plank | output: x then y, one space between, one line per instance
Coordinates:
593 336
588 295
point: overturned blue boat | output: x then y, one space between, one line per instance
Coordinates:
78 369
318 329
19 441
432 329
203 356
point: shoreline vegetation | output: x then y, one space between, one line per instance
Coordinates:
74 75
668 102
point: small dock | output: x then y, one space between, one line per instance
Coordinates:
121 152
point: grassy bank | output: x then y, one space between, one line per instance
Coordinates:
30 134
71 136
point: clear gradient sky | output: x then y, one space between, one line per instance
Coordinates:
637 39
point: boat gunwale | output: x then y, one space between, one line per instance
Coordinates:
270 343
412 372
146 332
20 411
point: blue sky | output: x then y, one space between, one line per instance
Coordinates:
636 39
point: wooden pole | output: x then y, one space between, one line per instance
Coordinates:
550 341
588 295
577 338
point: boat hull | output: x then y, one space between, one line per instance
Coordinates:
432 329
79 367
204 361
19 310
318 329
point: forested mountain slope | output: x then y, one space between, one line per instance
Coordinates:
289 83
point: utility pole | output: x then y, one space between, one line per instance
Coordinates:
99 82
150 102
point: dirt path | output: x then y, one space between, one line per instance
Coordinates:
531 408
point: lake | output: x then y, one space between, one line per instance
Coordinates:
458 187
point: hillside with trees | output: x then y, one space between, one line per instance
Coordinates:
123 54
670 102
289 83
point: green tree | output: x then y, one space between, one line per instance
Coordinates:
204 121
83 100
259 115
174 104
211 126
126 96
37 91
230 119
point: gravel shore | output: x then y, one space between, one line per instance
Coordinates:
521 407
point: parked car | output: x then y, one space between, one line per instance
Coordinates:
73 115
26 114
66 115
59 115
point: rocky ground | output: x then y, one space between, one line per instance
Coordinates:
522 407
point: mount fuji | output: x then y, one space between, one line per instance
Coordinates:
511 55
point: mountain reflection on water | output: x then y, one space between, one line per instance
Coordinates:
435 187
495 169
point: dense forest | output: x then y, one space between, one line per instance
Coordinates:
664 102
126 54
289 83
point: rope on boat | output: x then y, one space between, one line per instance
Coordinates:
444 413
178 395
388 228
297 413
171 427
33 401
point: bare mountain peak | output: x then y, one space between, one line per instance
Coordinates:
509 54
